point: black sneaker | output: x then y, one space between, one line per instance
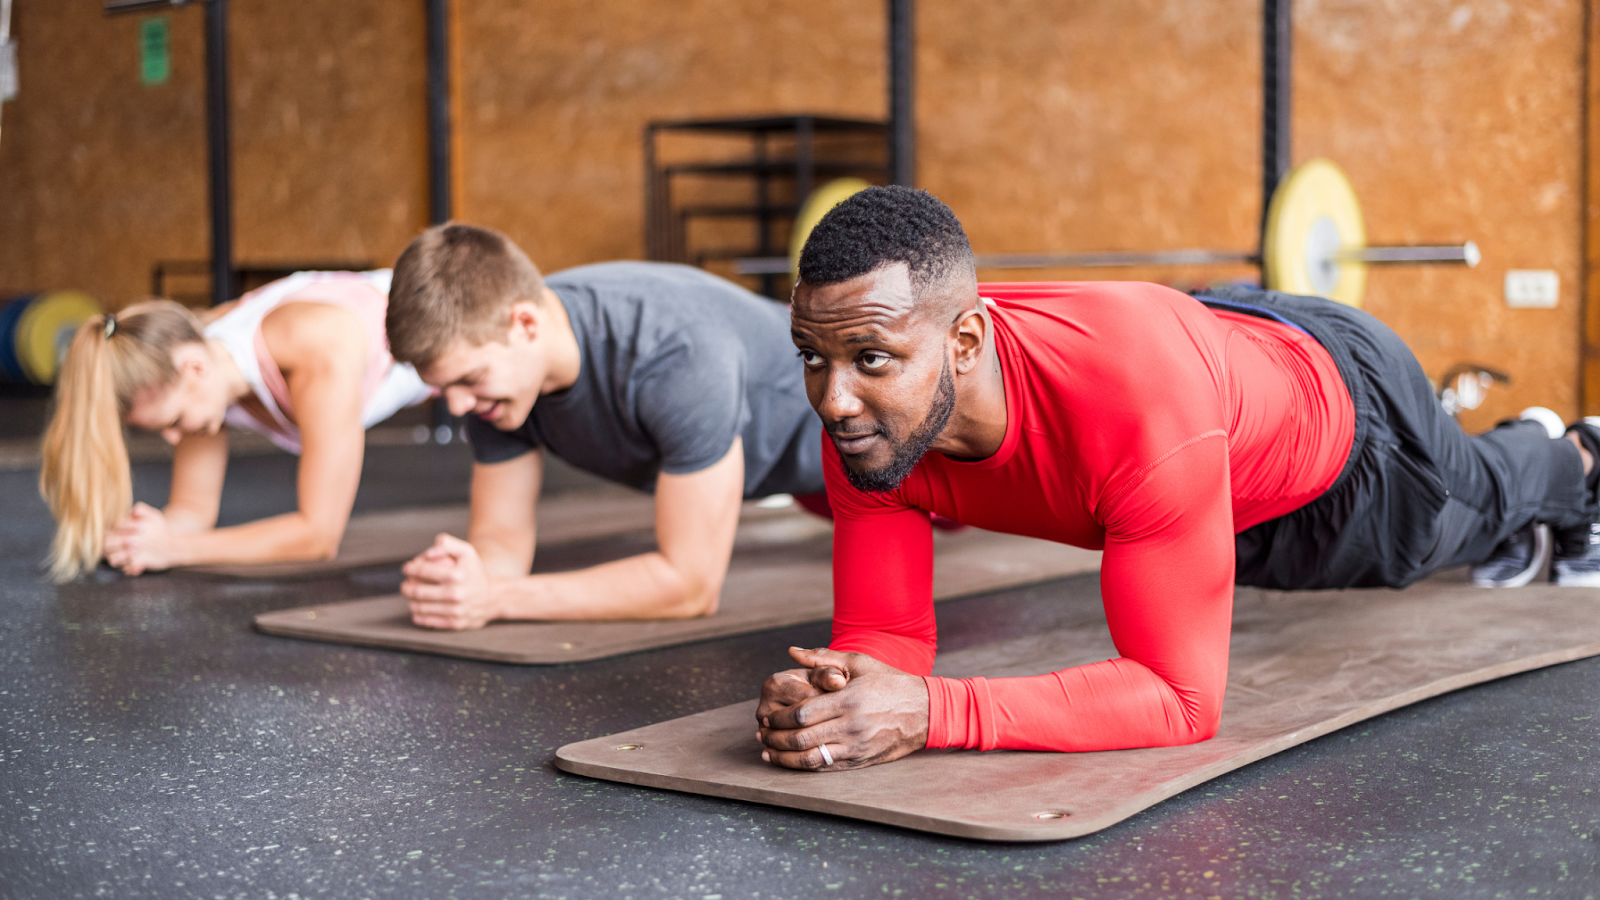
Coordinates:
1517 560
1577 562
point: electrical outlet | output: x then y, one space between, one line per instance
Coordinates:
1532 288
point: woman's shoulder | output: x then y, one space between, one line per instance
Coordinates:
296 333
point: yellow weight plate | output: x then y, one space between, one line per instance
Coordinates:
816 206
46 329
1313 216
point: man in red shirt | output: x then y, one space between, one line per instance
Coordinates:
1243 437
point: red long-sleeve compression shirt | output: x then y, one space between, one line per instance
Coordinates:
1138 422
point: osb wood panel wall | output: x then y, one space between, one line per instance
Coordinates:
102 176
1136 126
1047 126
555 95
1089 126
1092 126
1460 120
330 128
1591 311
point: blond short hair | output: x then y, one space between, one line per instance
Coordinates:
456 282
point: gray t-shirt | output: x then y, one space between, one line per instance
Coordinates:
676 363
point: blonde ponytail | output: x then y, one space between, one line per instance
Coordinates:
84 473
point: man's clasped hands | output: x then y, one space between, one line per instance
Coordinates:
840 711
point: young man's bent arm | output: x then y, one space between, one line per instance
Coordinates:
505 497
696 517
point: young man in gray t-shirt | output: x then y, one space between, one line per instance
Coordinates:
661 377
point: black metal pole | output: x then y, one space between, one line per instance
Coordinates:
1276 90
654 246
440 204
439 200
219 149
902 119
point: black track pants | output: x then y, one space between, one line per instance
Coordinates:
1417 494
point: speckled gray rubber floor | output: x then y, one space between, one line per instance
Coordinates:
153 746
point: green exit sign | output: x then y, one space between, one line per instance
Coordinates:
155 51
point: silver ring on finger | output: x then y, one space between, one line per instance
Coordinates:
827 758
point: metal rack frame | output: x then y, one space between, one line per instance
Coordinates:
666 235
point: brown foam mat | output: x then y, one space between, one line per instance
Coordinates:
781 574
1302 665
372 540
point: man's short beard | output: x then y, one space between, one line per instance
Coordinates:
909 453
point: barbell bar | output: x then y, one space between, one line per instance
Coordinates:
1314 243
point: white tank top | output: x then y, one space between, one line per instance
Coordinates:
387 387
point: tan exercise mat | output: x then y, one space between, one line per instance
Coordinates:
1302 665
390 538
781 574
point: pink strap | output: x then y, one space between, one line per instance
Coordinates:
355 294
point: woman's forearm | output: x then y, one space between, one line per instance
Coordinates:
291 537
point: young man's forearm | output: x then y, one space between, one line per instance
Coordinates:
187 520
647 586
503 560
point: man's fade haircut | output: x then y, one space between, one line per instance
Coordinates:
456 282
881 226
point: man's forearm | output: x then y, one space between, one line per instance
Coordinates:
647 586
185 520
503 560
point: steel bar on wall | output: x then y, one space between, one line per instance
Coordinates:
1276 90
902 75
438 38
1114 259
1467 254
5 37
219 150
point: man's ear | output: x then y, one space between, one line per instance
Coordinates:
970 331
526 319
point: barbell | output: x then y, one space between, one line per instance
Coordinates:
1315 241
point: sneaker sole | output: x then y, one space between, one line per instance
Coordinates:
1553 425
1541 555
1587 580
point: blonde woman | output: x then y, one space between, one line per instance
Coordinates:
303 361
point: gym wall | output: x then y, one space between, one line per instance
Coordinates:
103 176
1048 126
99 176
1135 125
1099 126
1461 121
551 146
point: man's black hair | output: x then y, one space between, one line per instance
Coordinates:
880 226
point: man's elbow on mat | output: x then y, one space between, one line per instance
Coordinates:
1181 729
697 602
319 544
694 590
1203 731
688 606
1200 720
